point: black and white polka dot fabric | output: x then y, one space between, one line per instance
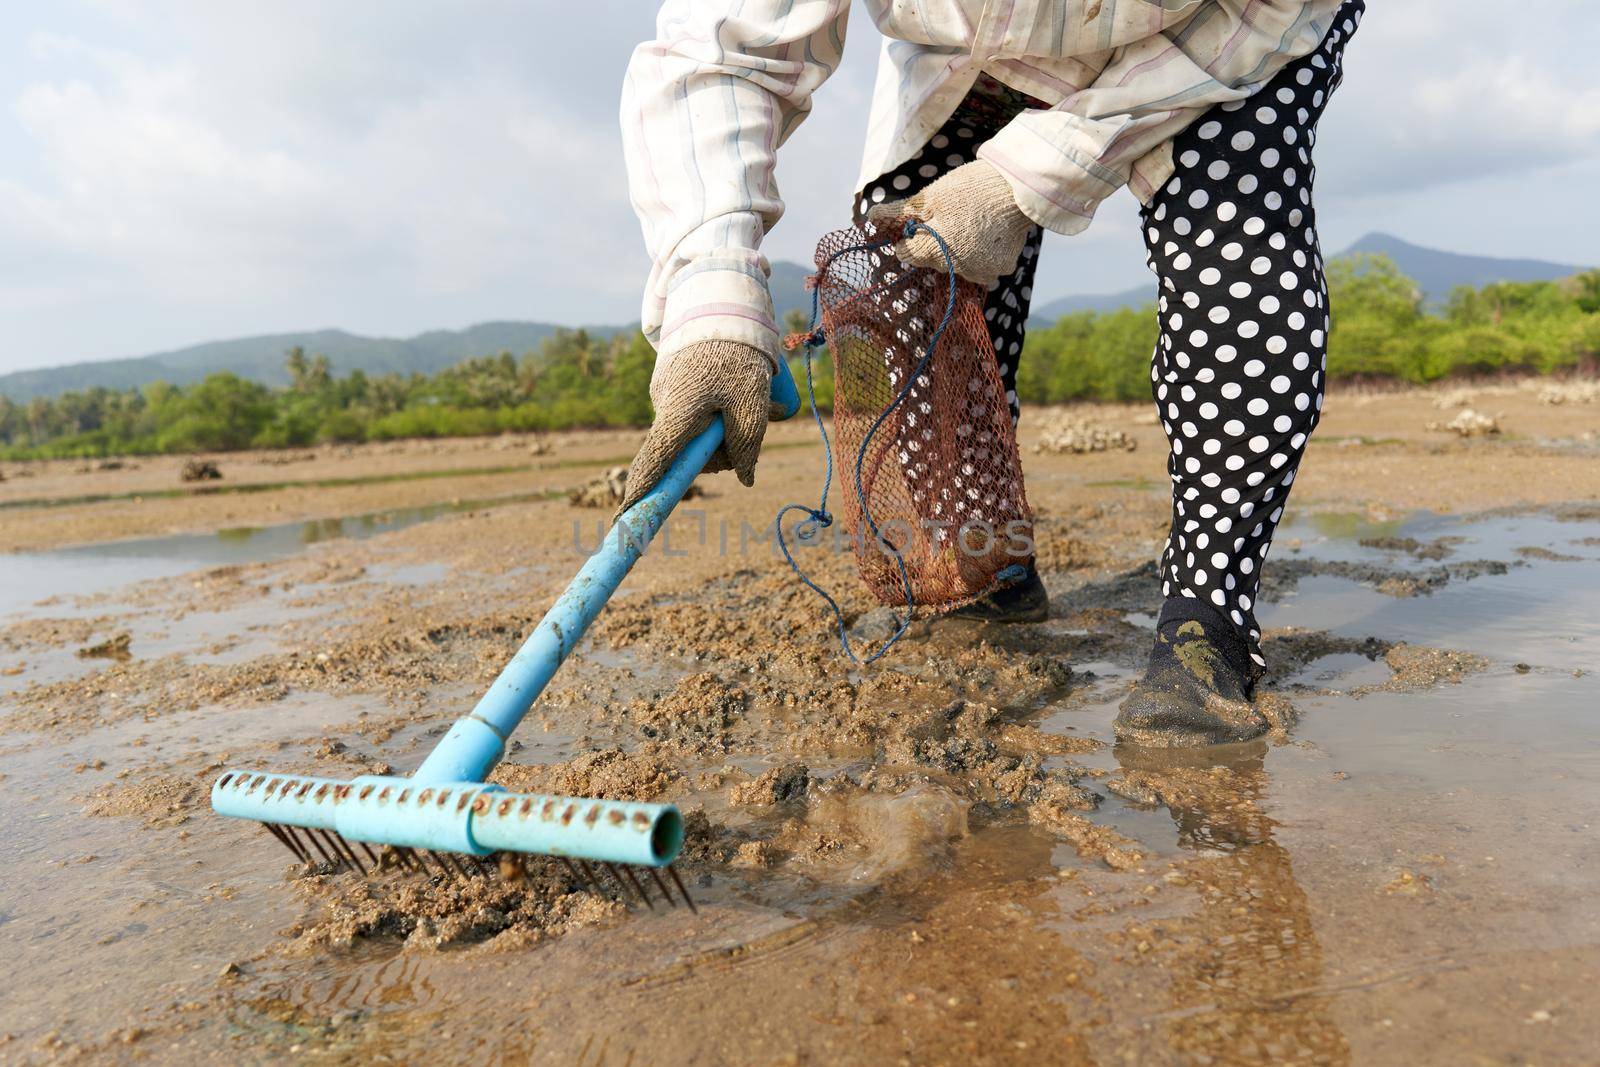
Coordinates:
987 108
1243 304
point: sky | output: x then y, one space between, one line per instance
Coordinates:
177 171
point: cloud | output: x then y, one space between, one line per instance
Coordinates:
262 173
1437 94
175 170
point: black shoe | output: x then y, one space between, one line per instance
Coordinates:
1198 686
1026 601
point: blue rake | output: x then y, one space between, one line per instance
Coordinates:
444 818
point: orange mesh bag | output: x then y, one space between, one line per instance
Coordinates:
932 479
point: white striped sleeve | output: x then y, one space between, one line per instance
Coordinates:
1062 162
704 108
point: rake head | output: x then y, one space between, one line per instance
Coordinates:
378 824
445 819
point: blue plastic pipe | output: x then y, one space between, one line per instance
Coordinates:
477 740
446 804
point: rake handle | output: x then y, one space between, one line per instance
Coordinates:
478 740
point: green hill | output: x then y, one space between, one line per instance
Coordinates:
1436 274
260 359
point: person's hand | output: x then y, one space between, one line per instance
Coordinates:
705 381
973 210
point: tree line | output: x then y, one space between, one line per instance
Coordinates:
573 379
1384 331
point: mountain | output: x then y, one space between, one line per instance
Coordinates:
1434 271
262 358
788 284
1050 311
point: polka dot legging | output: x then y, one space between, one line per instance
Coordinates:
987 108
1243 305
1237 371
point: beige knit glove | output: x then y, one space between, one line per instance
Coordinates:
974 211
702 382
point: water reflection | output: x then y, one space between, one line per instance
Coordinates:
82 570
1244 970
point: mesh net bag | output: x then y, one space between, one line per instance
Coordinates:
932 479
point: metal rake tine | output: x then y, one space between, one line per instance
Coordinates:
408 861
333 843
449 874
327 848
611 868
662 885
576 877
637 888
589 876
282 840
601 884
355 862
371 855
294 839
461 868
275 832
311 835
687 899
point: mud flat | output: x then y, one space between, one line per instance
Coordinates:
942 859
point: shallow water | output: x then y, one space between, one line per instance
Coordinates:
1411 878
1539 611
29 577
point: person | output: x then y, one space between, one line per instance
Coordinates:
993 120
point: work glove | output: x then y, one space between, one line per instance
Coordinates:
705 381
973 210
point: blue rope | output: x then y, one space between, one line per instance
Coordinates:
819 518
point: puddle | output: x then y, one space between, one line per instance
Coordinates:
137 902
29 577
1539 611
269 487
1342 670
1342 897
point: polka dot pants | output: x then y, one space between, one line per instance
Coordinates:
987 108
1243 305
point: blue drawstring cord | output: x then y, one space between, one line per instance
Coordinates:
819 518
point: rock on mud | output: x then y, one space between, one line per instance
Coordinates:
1416 667
609 774
778 785
1469 423
1579 392
1093 841
698 715
608 490
119 647
200 470
429 914
1075 434
165 800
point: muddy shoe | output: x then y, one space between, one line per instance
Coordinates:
1197 687
1027 601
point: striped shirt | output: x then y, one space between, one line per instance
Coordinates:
706 105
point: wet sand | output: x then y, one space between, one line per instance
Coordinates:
941 859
